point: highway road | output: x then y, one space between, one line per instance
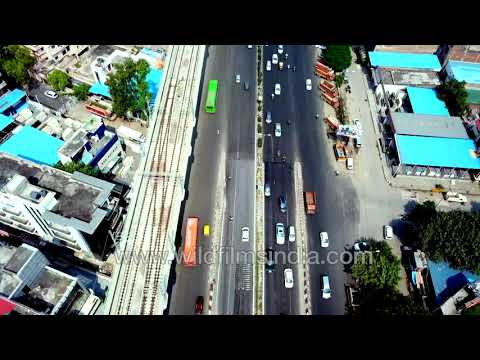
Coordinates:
337 200
224 145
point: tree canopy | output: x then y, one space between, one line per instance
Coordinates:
338 57
451 236
455 95
377 268
388 302
16 63
58 80
73 166
81 91
129 88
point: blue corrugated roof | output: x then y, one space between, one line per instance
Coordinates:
465 71
34 145
436 151
5 121
425 101
447 281
100 89
10 99
404 60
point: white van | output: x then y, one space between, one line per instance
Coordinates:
326 291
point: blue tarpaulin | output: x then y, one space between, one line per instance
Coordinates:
5 121
465 71
100 89
425 101
10 99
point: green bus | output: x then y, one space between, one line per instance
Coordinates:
210 106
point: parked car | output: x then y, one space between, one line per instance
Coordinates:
237 78
51 94
350 163
360 246
288 273
358 124
269 65
245 234
280 231
268 119
326 291
388 232
274 59
291 233
278 89
278 130
199 305
267 189
308 84
324 239
283 203
270 261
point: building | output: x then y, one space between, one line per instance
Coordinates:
93 145
428 125
60 208
3 86
464 71
12 102
29 286
414 49
466 53
400 60
426 79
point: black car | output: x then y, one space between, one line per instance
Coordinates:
283 203
270 261
199 305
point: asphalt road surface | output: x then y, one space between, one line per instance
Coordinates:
337 201
230 131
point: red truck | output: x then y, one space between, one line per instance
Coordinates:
310 202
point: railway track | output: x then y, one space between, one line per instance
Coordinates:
154 192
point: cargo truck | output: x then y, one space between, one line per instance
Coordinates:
310 202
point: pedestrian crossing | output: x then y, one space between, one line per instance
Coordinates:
244 277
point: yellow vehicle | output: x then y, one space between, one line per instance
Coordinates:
206 230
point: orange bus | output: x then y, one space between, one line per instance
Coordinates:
190 245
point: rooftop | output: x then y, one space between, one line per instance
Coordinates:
11 98
5 121
72 146
473 96
420 49
464 71
425 101
447 281
428 125
437 151
408 77
78 195
470 53
404 60
34 145
22 254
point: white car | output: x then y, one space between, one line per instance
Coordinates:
388 232
267 190
51 94
280 234
308 84
237 79
320 47
278 130
250 46
268 119
274 59
280 49
245 234
324 239
288 273
269 65
291 233
280 65
350 163
326 291
278 89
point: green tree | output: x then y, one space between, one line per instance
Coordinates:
81 91
455 95
129 88
472 311
16 63
73 166
377 268
338 57
58 80
388 302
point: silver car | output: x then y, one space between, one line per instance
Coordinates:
245 234
280 234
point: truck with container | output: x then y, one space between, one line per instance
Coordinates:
310 202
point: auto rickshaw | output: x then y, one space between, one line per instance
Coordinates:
206 230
